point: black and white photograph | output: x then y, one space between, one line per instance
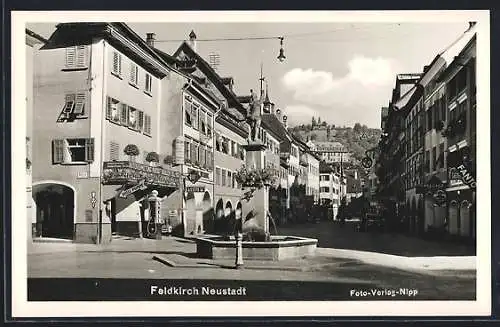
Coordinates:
212 163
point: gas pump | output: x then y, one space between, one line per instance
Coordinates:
154 223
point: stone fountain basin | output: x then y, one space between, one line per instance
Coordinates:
279 248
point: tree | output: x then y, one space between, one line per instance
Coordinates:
357 127
132 151
324 123
319 120
313 122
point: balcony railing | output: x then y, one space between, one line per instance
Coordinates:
122 172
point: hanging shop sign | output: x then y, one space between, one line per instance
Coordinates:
367 162
454 177
466 176
124 172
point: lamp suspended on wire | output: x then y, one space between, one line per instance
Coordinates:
281 56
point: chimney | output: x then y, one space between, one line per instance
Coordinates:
150 39
192 40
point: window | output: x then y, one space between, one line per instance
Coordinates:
440 159
325 178
203 124
433 158
117 64
147 124
132 117
67 151
187 151
76 57
74 104
442 103
209 125
217 176
114 151
148 83
187 110
324 189
229 179
194 115
223 178
112 112
134 72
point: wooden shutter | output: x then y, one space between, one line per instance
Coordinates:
117 63
89 150
70 57
123 114
80 104
133 73
109 108
147 124
114 151
81 56
186 150
69 103
140 121
57 151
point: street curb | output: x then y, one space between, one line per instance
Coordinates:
167 262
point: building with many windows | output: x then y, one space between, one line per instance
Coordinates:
115 121
332 152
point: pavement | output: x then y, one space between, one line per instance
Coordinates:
172 258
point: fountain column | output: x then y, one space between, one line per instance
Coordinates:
255 157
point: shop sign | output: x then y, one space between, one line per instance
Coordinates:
466 176
82 174
454 178
133 189
195 189
123 172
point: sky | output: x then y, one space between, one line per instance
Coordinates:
341 72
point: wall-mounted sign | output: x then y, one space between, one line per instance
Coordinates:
133 189
454 177
122 172
195 189
93 199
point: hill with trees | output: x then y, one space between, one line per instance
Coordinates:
356 139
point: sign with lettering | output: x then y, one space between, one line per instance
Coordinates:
122 172
82 174
133 189
194 189
454 177
466 176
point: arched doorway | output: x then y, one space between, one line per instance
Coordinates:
55 209
208 214
190 218
219 217
229 217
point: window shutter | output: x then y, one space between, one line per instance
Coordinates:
69 103
114 151
147 124
133 73
81 56
80 104
117 63
109 109
89 150
123 114
57 151
70 57
140 121
186 150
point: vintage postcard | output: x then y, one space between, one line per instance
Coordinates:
325 162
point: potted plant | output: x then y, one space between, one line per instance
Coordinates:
132 151
152 158
256 178
169 160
